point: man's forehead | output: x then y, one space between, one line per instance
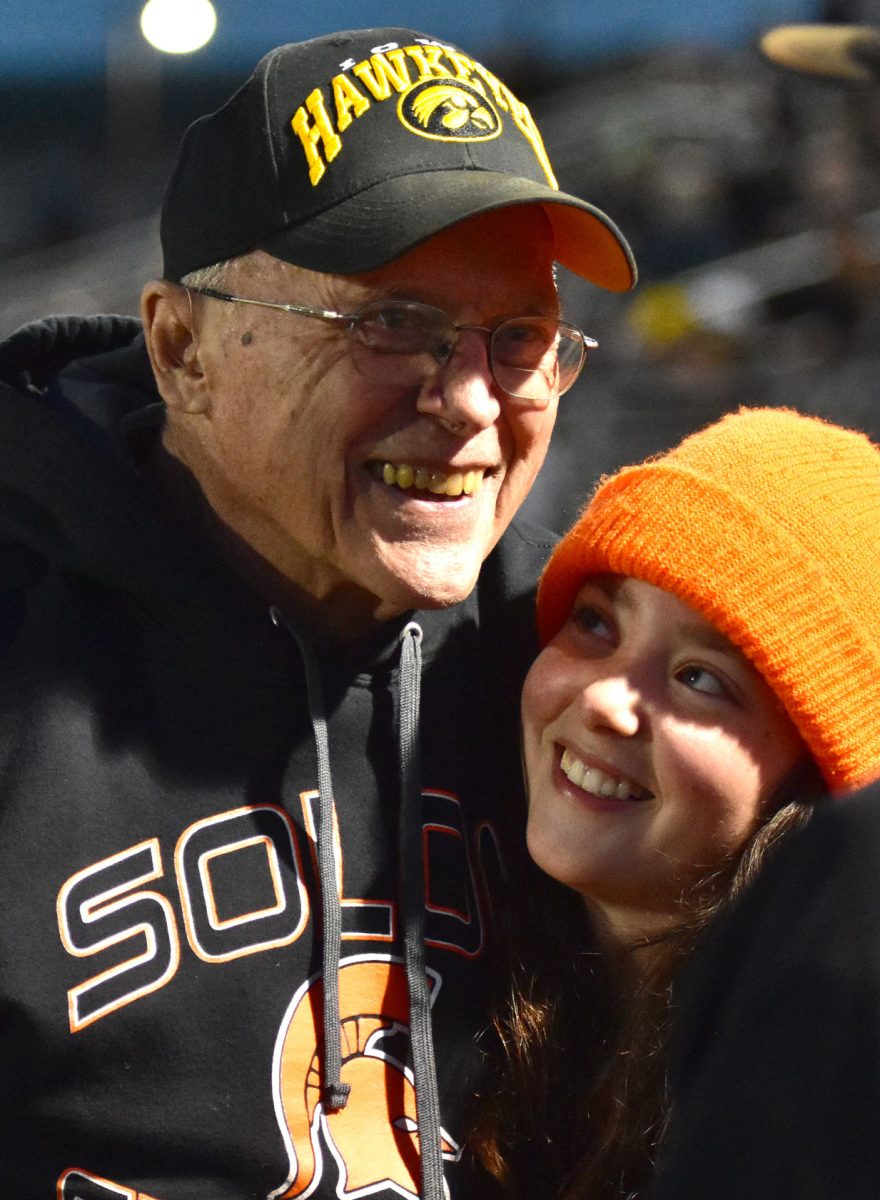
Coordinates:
529 225
451 260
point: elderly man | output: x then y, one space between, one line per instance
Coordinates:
257 736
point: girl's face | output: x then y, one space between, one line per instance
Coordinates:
651 746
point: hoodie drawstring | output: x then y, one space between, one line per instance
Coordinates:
412 902
412 897
335 1092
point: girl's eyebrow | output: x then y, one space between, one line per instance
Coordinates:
611 586
699 631
706 637
711 639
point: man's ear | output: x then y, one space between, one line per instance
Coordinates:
173 346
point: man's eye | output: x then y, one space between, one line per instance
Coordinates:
398 328
525 341
700 679
414 317
396 318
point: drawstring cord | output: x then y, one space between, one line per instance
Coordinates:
335 1092
412 902
412 891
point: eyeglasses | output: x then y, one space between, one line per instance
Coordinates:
404 343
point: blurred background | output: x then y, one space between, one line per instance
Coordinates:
751 195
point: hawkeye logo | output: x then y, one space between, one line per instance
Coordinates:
440 93
373 1143
449 111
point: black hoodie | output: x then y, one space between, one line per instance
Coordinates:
160 949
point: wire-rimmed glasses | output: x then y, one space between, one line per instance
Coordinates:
403 343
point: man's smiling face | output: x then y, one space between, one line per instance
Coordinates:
307 461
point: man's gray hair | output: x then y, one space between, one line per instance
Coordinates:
213 276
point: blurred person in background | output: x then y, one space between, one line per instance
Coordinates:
258 760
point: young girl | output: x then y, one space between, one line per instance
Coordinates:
710 668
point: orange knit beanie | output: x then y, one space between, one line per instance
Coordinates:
768 524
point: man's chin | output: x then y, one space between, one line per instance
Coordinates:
439 593
432 581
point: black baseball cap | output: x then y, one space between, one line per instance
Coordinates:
341 153
850 52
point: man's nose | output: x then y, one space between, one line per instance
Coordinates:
463 393
613 703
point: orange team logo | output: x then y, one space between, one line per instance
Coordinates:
373 1143
449 110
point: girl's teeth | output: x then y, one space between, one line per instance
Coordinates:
600 783
573 768
592 781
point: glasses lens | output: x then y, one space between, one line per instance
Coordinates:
536 358
402 342
398 341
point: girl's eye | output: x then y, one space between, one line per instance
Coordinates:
699 679
592 621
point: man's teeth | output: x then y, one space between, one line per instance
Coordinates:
600 783
467 483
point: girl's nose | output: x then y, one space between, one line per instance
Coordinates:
613 703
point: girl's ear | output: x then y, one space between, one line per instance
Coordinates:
173 343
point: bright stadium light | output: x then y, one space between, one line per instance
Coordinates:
178 26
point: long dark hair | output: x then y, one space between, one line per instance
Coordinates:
580 1101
